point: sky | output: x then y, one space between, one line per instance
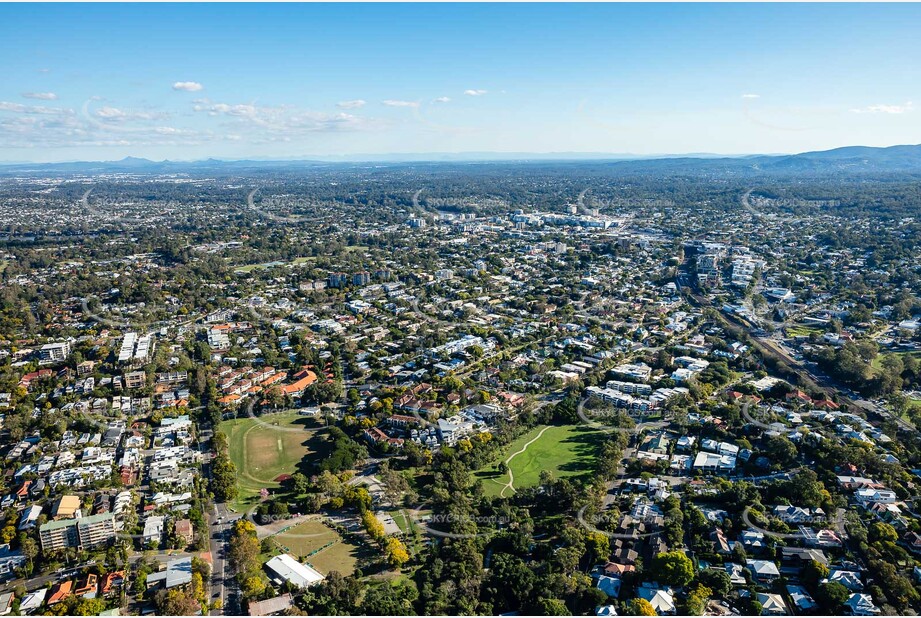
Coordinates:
193 81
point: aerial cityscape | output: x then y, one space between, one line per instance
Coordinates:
388 310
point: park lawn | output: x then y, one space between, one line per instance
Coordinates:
264 448
321 547
566 451
405 523
801 330
877 362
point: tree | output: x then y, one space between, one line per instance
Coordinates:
881 532
640 607
389 600
673 568
510 583
177 603
253 586
397 555
89 607
814 572
718 581
831 596
374 528
551 607
697 600
244 547
300 483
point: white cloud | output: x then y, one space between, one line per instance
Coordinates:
19 108
351 104
442 100
187 86
884 109
751 96
169 131
117 115
283 119
396 103
474 93
41 96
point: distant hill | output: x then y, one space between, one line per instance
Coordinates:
848 160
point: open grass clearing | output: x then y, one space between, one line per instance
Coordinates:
270 446
566 451
318 545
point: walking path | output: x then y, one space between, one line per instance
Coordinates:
511 475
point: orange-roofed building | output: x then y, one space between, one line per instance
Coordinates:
272 379
111 582
87 586
305 379
60 592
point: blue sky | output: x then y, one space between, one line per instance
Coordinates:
187 81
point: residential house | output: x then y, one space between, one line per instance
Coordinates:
860 604
177 573
271 607
763 570
10 561
60 592
660 598
772 604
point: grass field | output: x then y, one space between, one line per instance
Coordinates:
877 363
563 450
263 449
332 552
802 330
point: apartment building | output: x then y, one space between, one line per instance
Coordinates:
86 532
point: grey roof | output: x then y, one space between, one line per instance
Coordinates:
178 573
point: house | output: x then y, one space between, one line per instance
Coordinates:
271 607
735 572
799 556
29 517
801 599
796 515
6 603
613 569
763 570
822 538
32 601
720 542
60 592
10 561
87 586
285 569
860 604
869 496
713 462
848 579
153 529
772 604
184 531
605 610
752 540
660 598
111 582
177 573
609 585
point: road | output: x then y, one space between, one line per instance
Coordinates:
223 583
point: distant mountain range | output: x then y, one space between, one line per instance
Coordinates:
850 159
